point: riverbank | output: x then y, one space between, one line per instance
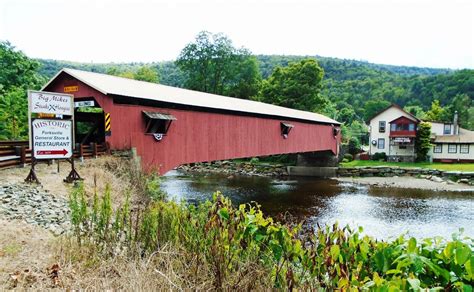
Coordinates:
236 168
166 245
407 182
425 165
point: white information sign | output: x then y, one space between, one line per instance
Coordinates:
85 103
51 103
402 140
52 139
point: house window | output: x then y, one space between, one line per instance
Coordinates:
157 123
452 148
402 127
285 129
381 143
438 148
381 126
464 148
447 129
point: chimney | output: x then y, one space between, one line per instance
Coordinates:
455 123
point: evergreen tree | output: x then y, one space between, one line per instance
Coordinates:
423 141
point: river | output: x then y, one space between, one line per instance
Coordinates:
384 213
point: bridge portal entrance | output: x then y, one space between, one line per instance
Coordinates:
89 123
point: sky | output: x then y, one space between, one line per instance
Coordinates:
423 33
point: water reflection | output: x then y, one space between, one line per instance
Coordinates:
383 212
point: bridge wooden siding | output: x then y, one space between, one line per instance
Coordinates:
199 134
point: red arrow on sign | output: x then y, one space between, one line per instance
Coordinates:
52 152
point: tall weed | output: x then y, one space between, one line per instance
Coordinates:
240 248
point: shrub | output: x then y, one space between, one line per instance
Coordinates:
354 146
152 188
379 156
348 157
254 160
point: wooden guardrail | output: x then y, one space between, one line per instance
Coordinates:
18 152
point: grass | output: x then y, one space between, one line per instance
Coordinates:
439 166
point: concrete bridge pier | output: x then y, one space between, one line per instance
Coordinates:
315 164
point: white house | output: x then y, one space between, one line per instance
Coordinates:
451 143
393 132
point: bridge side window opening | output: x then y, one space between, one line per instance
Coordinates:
285 129
382 126
157 123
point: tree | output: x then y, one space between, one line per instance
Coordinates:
18 74
461 103
436 112
14 114
212 64
246 79
374 106
346 115
296 86
17 69
423 141
416 110
146 73
357 130
354 146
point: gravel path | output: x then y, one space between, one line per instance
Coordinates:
408 182
33 205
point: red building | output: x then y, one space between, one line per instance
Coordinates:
172 126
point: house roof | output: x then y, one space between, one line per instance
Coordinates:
400 108
465 136
113 85
402 118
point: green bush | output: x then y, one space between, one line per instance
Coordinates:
354 146
229 240
379 156
348 157
254 160
152 188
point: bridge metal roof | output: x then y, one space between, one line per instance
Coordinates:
113 85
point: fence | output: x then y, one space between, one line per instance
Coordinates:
18 152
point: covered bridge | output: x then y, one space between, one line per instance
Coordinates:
171 126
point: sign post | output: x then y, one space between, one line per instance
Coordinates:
52 137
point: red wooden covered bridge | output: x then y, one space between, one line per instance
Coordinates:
171 126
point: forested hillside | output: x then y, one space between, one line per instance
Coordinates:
347 90
346 83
